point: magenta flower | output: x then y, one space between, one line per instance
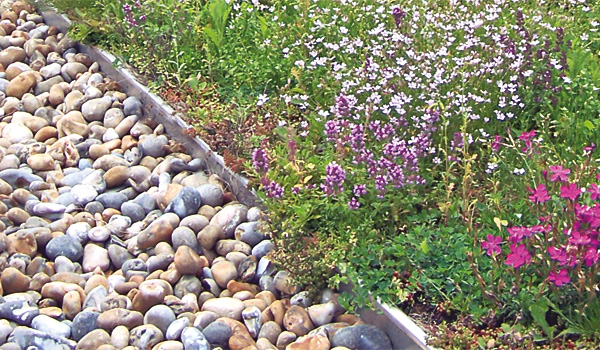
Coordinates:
353 204
594 191
558 173
570 192
559 279
591 256
517 233
519 256
492 245
559 255
539 194
496 143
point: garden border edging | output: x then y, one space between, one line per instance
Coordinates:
400 328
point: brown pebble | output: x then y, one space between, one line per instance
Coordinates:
14 281
71 304
110 319
93 340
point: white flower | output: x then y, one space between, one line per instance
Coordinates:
519 171
262 98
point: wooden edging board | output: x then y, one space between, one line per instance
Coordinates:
403 332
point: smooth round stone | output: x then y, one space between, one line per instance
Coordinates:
19 216
95 256
218 333
249 232
94 207
56 95
75 177
209 235
150 292
118 255
229 218
12 54
211 194
112 199
133 210
153 145
119 338
362 337
83 323
146 202
95 297
185 203
79 230
194 222
160 316
225 307
110 135
145 336
66 246
48 209
50 325
271 331
98 234
16 133
41 162
70 70
93 340
21 84
14 281
84 194
113 117
297 321
132 105
188 262
262 249
51 70
183 236
63 264
176 327
302 299
95 179
188 284
112 318
193 339
223 272
134 265
72 123
159 262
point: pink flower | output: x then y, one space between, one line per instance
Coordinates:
517 233
559 255
591 257
558 173
519 256
559 279
539 194
570 192
594 192
492 245
578 239
496 143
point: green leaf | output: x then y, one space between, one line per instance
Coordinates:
538 312
425 246
588 124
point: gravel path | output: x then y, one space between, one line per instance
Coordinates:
112 237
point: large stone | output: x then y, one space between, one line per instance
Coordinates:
28 337
22 84
225 307
362 337
93 110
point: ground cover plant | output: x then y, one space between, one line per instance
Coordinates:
441 154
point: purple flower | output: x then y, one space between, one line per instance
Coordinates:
260 161
274 190
126 8
398 16
334 179
359 190
559 255
594 191
353 204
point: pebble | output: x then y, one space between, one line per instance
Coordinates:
160 316
362 337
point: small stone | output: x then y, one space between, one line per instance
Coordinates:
161 316
20 310
362 337
119 338
218 333
225 307
145 336
41 162
112 318
95 256
132 106
184 236
93 340
94 109
153 145
193 339
188 262
249 232
159 231
71 303
83 194
150 292
211 194
16 133
285 338
14 281
262 249
297 320
270 330
50 325
169 345
229 218
209 236
252 320
21 84
66 246
223 272
83 323
176 327
23 242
